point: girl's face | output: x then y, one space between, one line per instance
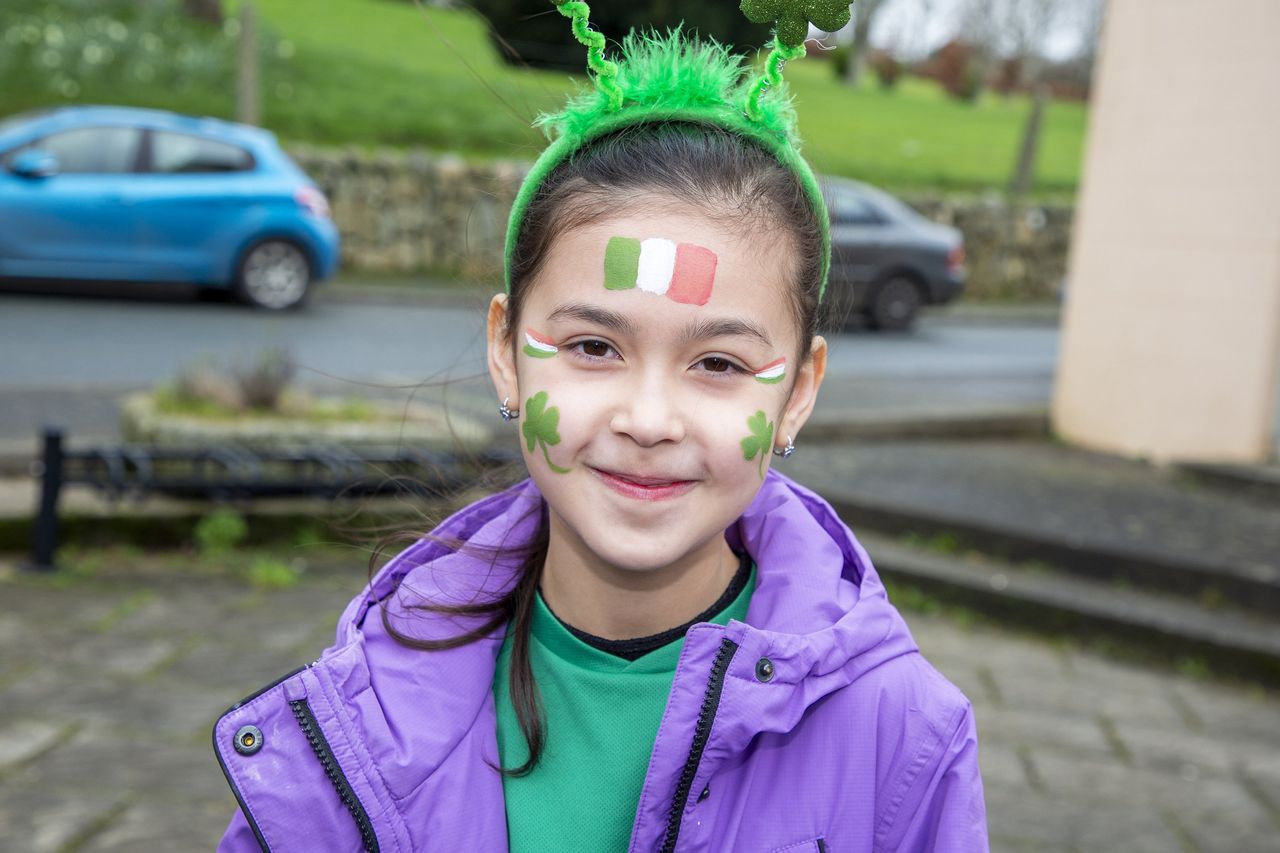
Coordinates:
654 365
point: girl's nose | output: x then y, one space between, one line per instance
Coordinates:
649 413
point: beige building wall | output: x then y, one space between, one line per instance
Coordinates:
1171 331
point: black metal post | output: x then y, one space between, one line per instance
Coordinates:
45 539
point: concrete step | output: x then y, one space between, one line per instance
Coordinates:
1230 640
1251 588
1260 481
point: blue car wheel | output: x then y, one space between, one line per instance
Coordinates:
274 274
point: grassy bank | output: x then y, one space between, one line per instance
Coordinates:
388 72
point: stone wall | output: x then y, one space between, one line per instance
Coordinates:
410 211
1014 252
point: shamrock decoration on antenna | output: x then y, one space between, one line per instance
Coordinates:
539 427
760 441
793 16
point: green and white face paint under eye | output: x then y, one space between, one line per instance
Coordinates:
682 272
538 346
772 373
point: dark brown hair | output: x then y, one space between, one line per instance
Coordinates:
722 176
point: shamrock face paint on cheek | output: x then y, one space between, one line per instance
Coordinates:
772 373
541 428
760 442
538 346
682 272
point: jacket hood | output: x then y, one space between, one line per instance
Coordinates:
817 594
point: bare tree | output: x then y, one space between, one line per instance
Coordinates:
1016 31
204 10
1089 19
864 13
1011 29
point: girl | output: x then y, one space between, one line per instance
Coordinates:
655 643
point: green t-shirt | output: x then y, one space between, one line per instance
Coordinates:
602 715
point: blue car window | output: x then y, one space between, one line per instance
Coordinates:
181 153
93 150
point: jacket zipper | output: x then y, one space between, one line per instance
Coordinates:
315 737
701 733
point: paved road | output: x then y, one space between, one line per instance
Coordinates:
64 342
110 686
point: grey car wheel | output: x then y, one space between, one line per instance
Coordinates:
274 274
894 304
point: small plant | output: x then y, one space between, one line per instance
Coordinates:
946 543
262 384
271 573
1193 667
203 387
220 531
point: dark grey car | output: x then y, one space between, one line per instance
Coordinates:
887 260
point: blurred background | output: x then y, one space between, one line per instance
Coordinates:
245 250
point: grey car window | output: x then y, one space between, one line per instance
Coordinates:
848 209
91 150
182 153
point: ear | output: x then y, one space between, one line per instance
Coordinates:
501 353
804 393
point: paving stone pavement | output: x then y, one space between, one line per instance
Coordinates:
109 687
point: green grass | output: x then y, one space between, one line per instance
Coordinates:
915 136
390 73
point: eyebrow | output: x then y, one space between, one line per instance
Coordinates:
611 320
727 328
699 330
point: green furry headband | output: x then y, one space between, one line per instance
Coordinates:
675 78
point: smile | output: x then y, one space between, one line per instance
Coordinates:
644 488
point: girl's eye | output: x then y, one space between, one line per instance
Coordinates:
595 349
716 364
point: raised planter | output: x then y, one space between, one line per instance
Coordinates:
394 425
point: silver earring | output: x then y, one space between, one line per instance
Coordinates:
506 411
786 451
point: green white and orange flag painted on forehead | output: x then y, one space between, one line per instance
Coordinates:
682 272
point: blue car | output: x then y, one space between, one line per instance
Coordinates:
123 194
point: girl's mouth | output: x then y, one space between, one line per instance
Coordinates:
643 488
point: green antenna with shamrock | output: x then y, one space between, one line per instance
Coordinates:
791 20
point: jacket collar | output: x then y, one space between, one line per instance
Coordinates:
819 613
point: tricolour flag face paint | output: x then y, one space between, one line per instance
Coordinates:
682 272
538 346
773 372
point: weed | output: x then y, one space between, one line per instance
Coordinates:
125 608
1036 567
1212 598
946 542
268 573
309 536
220 531
1193 667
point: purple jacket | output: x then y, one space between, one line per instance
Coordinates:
853 743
